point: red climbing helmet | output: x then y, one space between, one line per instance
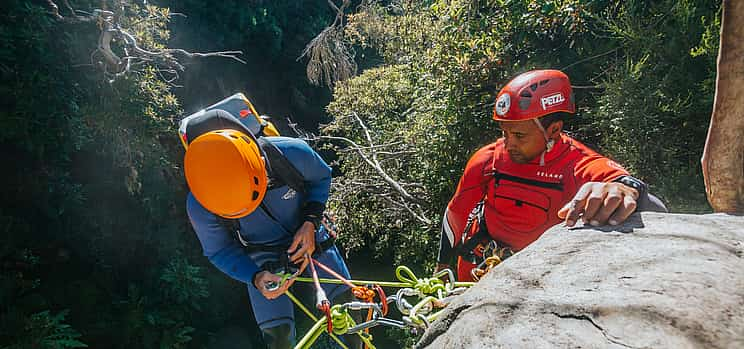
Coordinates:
534 94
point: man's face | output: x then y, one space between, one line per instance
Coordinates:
524 140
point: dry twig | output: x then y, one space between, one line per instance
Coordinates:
331 58
400 196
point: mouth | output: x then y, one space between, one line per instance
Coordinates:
516 157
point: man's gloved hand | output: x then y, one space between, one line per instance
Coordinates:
598 203
303 243
264 278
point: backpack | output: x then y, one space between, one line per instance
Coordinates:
220 117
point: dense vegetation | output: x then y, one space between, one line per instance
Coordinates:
644 89
96 249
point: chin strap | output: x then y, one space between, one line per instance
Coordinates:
549 142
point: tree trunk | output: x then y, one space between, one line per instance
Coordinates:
723 155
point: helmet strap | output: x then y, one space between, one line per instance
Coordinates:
549 142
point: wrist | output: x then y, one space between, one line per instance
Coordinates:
253 279
315 221
313 212
634 183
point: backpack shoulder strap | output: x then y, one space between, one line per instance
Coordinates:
280 168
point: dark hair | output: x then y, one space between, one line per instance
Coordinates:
549 119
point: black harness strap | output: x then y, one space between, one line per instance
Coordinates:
280 170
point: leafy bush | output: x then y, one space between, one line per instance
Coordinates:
642 72
48 331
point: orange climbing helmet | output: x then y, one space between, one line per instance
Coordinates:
534 94
226 172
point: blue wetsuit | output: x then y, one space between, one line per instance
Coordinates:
273 223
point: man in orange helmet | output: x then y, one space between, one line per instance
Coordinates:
532 178
251 220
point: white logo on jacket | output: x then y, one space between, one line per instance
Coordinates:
549 101
549 175
291 193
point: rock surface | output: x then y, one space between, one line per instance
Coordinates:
658 281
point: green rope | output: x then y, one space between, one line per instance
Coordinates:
342 321
312 335
312 317
415 317
424 286
406 281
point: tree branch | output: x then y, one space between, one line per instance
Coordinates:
134 55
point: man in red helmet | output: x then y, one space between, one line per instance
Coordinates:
532 178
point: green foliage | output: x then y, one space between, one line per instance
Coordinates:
93 212
660 95
48 331
96 192
96 178
183 283
155 321
642 71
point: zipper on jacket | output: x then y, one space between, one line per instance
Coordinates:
499 176
521 202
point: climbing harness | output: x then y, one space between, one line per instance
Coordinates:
419 301
476 247
493 255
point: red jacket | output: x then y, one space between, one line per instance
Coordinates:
522 200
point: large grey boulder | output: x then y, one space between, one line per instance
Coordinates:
658 281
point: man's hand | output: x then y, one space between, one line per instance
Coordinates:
598 203
303 243
265 278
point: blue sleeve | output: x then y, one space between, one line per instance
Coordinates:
316 172
218 244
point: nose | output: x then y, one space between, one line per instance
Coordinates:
508 141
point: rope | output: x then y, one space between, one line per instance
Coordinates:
314 318
337 320
332 272
342 322
381 283
423 286
322 302
312 335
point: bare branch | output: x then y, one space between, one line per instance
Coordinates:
376 166
419 217
167 61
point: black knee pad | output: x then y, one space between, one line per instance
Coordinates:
279 337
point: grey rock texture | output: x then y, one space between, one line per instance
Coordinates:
658 281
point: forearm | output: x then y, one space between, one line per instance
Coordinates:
634 183
313 212
235 263
646 201
446 242
446 251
